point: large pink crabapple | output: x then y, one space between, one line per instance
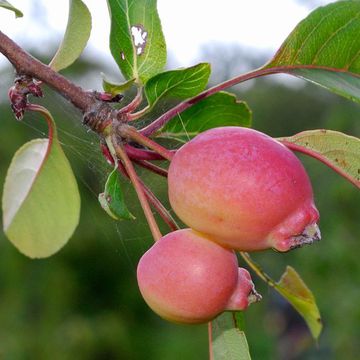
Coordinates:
187 278
244 189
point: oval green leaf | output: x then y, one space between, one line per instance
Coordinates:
338 151
324 48
220 109
112 199
228 340
76 36
41 201
136 39
6 5
179 84
294 290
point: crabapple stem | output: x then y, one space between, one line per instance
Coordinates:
154 201
152 167
112 150
211 355
132 105
121 153
139 114
257 269
133 134
142 154
160 208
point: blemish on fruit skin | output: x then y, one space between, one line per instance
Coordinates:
139 35
122 55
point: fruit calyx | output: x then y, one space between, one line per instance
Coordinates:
244 293
310 234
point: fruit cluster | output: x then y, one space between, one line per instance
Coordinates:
237 189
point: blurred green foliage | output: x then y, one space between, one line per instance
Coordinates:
84 302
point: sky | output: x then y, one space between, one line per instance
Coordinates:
187 24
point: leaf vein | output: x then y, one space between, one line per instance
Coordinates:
312 31
335 33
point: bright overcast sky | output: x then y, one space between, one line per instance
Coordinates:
187 24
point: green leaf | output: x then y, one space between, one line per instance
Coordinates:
112 199
293 288
116 89
324 48
136 39
6 5
340 83
228 340
338 151
179 84
220 109
41 201
76 36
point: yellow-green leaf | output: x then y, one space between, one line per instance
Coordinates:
293 288
114 88
6 5
338 151
76 36
41 201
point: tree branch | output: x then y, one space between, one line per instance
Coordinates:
25 64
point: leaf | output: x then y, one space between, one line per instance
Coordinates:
112 199
228 340
324 48
136 39
338 151
220 109
293 288
76 36
340 83
295 291
41 201
6 5
179 84
116 89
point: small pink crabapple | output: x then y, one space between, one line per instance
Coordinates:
185 277
243 189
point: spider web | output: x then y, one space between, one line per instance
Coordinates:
81 145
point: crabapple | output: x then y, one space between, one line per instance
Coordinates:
244 189
187 278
